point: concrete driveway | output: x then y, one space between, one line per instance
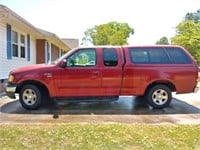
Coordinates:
184 109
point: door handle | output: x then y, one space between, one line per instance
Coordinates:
96 73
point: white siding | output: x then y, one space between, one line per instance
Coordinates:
3 54
6 65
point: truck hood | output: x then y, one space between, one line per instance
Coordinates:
30 68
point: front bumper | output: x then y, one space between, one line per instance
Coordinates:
10 90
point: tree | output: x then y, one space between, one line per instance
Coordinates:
188 36
193 16
112 33
163 41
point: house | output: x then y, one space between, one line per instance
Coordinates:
49 47
72 43
23 44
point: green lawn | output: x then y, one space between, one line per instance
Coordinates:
99 136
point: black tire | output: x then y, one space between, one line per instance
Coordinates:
159 96
30 97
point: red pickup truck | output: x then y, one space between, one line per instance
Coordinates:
86 73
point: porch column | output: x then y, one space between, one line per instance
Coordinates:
47 52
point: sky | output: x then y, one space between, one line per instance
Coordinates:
150 19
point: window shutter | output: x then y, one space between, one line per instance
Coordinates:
9 43
28 48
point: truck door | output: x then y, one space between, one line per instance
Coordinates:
82 76
112 71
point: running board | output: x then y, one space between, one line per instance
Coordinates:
86 99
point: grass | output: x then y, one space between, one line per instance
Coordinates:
99 136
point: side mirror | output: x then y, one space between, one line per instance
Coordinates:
63 63
70 63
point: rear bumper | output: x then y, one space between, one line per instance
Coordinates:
196 89
10 90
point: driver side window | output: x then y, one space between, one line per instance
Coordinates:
82 58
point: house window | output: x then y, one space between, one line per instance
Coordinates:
18 45
15 43
22 46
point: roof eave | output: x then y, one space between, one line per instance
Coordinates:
9 16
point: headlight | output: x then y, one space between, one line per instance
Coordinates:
11 78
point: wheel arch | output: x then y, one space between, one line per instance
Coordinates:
167 83
39 84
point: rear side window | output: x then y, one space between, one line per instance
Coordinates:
110 57
178 56
149 56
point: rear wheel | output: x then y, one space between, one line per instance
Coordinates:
159 96
30 97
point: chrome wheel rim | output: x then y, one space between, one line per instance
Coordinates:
160 97
29 97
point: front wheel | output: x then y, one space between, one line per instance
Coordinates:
30 97
159 96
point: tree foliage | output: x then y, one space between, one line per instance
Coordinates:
188 36
193 16
163 41
112 33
